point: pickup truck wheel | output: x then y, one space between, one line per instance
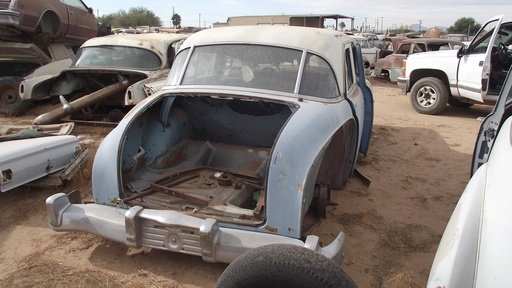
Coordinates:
429 96
10 101
283 265
454 102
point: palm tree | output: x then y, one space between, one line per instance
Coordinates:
176 20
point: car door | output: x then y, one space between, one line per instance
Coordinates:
82 23
491 125
475 63
365 110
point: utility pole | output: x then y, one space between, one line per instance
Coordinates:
199 20
419 29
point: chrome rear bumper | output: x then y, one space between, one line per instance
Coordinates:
171 230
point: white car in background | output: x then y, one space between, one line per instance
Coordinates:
370 52
475 248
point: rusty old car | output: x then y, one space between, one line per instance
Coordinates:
390 66
109 73
44 22
240 149
17 60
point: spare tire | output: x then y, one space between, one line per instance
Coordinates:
10 101
283 265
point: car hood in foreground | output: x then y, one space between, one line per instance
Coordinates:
475 249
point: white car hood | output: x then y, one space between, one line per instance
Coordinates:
475 248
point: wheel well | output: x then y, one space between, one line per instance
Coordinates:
339 157
49 22
416 75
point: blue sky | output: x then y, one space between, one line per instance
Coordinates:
378 13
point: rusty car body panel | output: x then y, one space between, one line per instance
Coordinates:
391 65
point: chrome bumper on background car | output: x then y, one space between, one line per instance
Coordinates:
403 83
170 230
8 17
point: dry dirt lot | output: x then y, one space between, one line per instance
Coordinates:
418 166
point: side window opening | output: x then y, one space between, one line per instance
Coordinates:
349 68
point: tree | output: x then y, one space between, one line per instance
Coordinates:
138 16
464 26
176 20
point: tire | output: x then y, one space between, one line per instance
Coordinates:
283 265
429 96
10 101
454 102
366 66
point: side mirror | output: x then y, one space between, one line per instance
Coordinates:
462 51
90 10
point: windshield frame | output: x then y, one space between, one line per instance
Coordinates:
303 61
113 55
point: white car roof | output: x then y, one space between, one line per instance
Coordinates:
150 41
325 42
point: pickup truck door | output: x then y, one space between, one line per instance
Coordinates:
475 65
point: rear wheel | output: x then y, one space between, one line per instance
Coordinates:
429 96
46 30
283 265
10 100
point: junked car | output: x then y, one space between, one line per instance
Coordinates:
46 21
101 73
474 250
17 60
370 53
240 149
391 65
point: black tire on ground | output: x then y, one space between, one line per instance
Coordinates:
454 102
283 265
10 102
429 96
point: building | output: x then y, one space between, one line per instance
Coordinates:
307 20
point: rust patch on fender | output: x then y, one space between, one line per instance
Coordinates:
271 229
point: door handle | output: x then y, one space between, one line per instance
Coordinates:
71 12
481 64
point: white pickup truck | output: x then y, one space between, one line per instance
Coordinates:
473 74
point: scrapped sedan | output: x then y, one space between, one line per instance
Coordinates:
107 73
240 148
46 21
475 250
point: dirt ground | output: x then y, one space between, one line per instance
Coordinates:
418 166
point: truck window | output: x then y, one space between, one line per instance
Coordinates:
481 41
